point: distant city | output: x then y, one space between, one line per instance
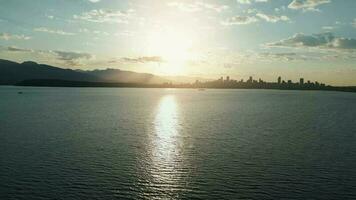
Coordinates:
33 74
252 83
221 83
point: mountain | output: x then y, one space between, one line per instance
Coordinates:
117 75
12 72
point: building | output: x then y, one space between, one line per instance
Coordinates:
301 81
279 80
228 79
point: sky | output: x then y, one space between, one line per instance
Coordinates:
313 39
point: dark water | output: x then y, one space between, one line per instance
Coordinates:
96 143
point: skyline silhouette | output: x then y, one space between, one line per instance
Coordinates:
32 74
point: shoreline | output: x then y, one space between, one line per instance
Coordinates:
80 84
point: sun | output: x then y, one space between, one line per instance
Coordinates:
173 45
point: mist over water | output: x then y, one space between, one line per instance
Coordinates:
108 143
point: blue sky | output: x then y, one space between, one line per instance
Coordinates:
314 39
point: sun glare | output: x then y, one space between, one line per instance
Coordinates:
173 45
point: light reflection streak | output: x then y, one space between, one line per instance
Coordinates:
165 148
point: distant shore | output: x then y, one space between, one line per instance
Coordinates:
67 83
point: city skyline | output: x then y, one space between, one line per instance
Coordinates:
228 81
314 39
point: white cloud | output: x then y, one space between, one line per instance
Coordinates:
244 1
51 31
104 15
328 27
307 5
240 20
144 59
198 6
97 32
94 1
250 1
7 36
272 18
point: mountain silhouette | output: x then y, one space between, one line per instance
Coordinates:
117 75
13 72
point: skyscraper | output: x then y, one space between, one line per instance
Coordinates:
279 80
301 81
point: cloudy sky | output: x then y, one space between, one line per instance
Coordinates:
314 39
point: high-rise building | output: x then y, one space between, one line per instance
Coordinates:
301 81
250 79
279 80
227 78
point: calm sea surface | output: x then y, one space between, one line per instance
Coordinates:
109 143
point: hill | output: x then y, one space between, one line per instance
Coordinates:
13 72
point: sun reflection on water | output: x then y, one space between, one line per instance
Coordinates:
166 121
166 148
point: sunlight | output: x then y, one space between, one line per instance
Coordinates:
165 147
166 119
165 140
173 45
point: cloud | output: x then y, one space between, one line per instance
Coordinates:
287 56
272 18
94 1
7 36
323 41
240 20
71 57
16 49
307 5
354 23
198 6
67 58
328 27
243 20
144 59
250 1
51 31
97 32
244 1
105 15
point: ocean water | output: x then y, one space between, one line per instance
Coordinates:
120 143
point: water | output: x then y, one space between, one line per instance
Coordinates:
108 143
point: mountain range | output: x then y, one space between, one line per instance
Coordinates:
13 72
